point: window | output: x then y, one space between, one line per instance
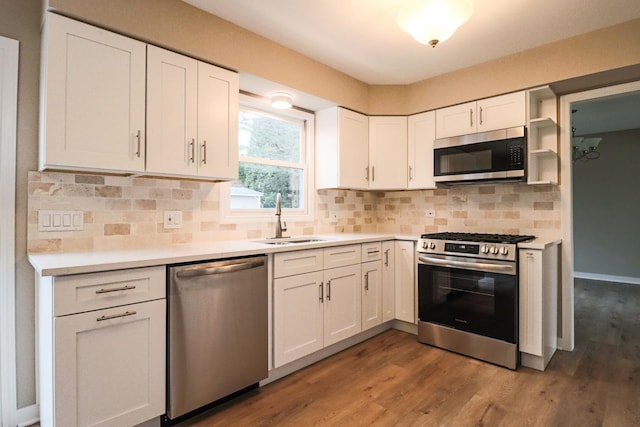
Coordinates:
275 156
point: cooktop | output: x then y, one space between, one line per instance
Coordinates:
479 237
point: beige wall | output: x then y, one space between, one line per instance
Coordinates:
218 41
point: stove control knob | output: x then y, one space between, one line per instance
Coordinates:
484 249
432 245
504 251
425 245
494 250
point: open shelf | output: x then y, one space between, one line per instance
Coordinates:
542 122
543 137
543 152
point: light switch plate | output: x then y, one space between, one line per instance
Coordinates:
60 221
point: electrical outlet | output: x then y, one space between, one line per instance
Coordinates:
172 219
333 216
430 213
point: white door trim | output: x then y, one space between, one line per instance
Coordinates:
567 341
8 132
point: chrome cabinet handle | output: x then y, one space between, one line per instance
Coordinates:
367 175
480 115
366 281
192 144
410 173
373 173
386 258
122 288
372 252
138 138
329 290
115 316
204 152
321 292
470 116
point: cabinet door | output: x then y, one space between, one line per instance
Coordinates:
421 133
172 102
388 281
217 122
456 120
93 99
387 152
110 366
298 316
405 281
501 112
371 294
353 157
530 287
342 306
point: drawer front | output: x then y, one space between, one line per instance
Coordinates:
297 262
371 251
341 256
85 292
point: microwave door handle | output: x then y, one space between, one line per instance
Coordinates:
468 265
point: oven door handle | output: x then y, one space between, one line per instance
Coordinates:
495 268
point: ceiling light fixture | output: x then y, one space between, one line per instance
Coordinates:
583 148
434 21
281 100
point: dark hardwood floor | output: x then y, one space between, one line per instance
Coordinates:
392 380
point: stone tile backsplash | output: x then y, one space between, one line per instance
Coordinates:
127 212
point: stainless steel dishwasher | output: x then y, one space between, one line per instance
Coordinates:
217 332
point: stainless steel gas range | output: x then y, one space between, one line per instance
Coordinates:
468 294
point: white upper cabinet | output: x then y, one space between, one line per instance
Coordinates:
388 152
192 117
93 99
218 91
498 112
421 133
172 86
342 149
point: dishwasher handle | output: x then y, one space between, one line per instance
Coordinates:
219 268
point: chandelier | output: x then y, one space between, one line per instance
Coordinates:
434 21
583 148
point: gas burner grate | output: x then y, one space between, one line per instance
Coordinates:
479 237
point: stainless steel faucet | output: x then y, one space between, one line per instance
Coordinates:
279 227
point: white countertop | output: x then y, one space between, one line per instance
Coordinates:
58 264
539 243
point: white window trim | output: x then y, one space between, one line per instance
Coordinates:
8 127
307 213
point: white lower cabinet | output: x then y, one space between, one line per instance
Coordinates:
388 281
318 308
371 294
538 287
104 367
405 266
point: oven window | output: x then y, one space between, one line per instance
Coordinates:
473 301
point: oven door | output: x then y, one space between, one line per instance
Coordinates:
478 296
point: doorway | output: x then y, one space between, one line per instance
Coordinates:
568 103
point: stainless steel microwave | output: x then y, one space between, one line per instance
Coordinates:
486 156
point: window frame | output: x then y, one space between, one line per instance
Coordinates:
265 215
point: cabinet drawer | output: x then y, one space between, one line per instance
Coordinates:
340 256
298 262
94 291
371 251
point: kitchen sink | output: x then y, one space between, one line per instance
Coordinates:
288 240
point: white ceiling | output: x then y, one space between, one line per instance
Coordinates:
361 37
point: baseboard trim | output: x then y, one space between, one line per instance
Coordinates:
28 415
606 278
